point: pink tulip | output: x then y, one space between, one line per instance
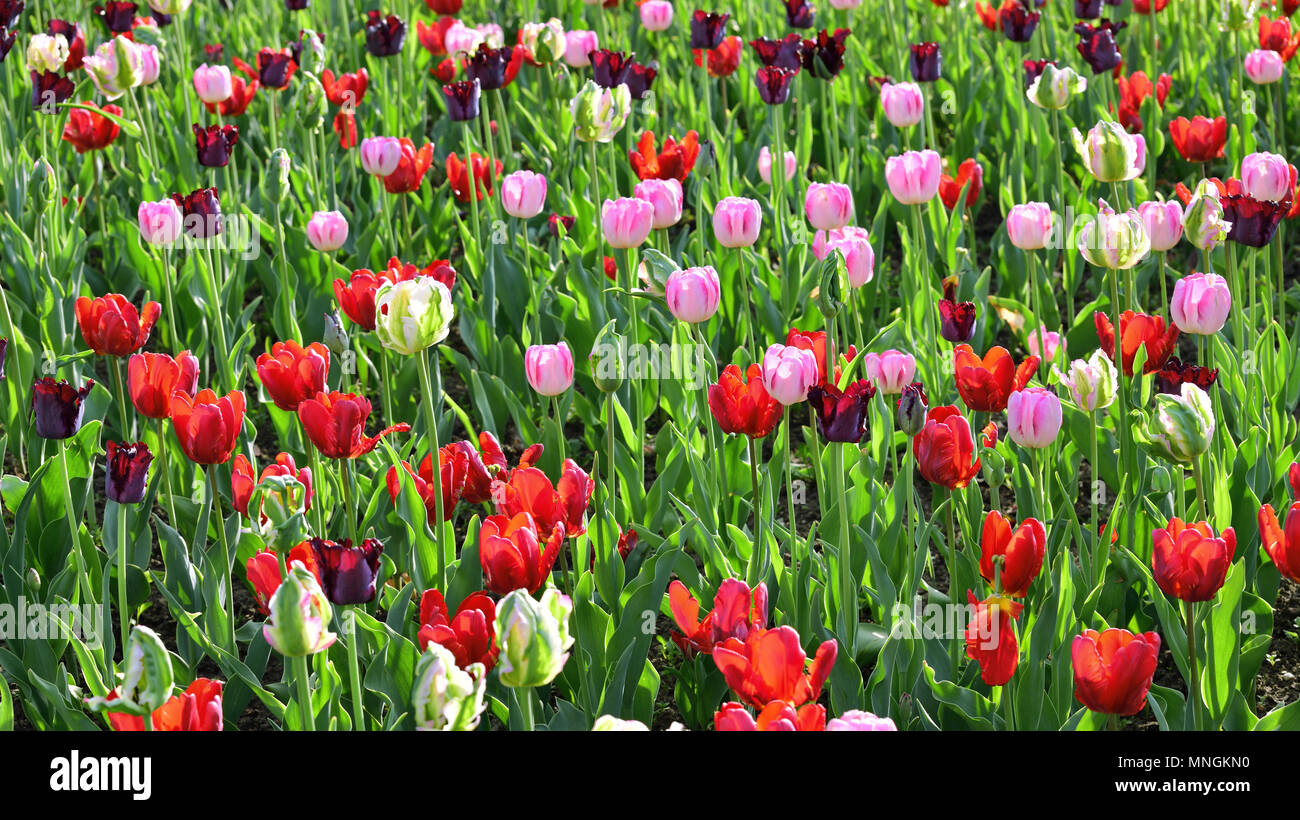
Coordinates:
913 176
1044 343
1264 66
461 39
845 4
212 83
1033 417
666 196
1029 226
1164 223
1266 176
327 230
626 221
150 64
765 165
160 222
788 372
523 194
656 15
693 294
577 45
1200 303
856 720
829 205
549 368
736 222
855 246
903 103
380 155
891 371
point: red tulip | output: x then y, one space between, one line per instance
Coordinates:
743 406
244 480
152 378
1189 562
411 168
1282 543
470 635
197 709
723 60
347 90
777 716
263 571
1133 90
291 373
944 449
675 161
986 384
528 490
1138 330
1293 478
736 612
89 130
1020 551
1276 35
111 326
511 555
241 96
950 187
1200 139
345 125
207 426
991 638
336 423
458 176
769 665
1113 669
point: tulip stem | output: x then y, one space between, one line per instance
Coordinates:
354 671
611 491
166 476
848 581
225 556
1193 678
439 576
634 384
223 363
349 502
489 276
1101 549
318 476
789 485
751 329
305 712
752 573
73 524
119 389
284 299
524 696
951 561
123 618
1200 488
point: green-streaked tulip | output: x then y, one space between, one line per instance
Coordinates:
447 698
147 677
413 315
1182 426
534 637
600 113
300 615
115 67
1055 87
544 40
1114 241
1091 383
1111 153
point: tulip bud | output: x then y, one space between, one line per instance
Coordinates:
1111 153
549 368
788 372
1200 303
283 501
47 52
1163 222
600 113
33 579
380 156
606 360
213 84
667 198
334 336
1266 176
1029 226
913 176
1264 66
656 15
327 230
577 45
41 182
126 470
545 41
994 467
1203 223
300 615
160 222
891 371
737 221
534 637
147 677
1114 241
1054 87
523 194
903 103
1182 427
829 206
693 294
275 182
765 164
1237 14
1091 383
912 407
830 287
1033 417
413 315
446 698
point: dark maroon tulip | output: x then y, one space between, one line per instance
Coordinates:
1254 221
925 61
384 35
462 100
912 406
9 12
1176 373
788 52
214 144
296 5
708 29
799 13
639 79
57 407
48 90
202 211
1097 45
76 42
956 320
216 52
609 68
163 20
774 84
348 573
1033 68
1087 9
126 469
842 415
117 16
275 68
824 57
489 65
1018 23
555 221
7 38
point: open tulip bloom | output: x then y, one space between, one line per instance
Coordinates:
812 365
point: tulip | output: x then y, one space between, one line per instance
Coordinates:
461 40
1114 241
1203 222
291 373
986 384
152 378
656 15
737 611
1253 221
1267 177
348 574
445 697
1091 383
462 100
829 206
708 29
891 371
126 468
1282 543
842 415
1044 343
1171 378
1200 303
577 45
213 83
546 42
412 165
380 155
202 212
777 716
1264 66
911 409
1189 563
1053 87
468 635
1033 417
523 194
214 144
241 95
1113 669
902 103
924 61
609 723
773 84
491 66
788 373
736 222
855 720
160 222
1163 222
1019 552
956 320
534 637
1200 139
110 325
327 230
769 665
913 176
693 294
723 60
197 709
666 196
511 554
600 113
743 406
484 171
384 35
116 67
1182 426
1029 226
854 245
765 165
413 315
1097 45
243 482
609 68
991 638
970 177
91 131
1110 153
944 449
675 161
206 426
528 490
335 423
47 52
300 616
1138 330
626 222
549 368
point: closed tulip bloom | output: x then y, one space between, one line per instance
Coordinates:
600 113
327 230
829 205
911 409
842 414
534 636
544 41
348 573
47 52
208 426
1264 66
1020 552
1138 330
1029 226
152 378
447 697
413 315
1114 241
770 664
523 194
468 635
1189 562
945 450
1044 343
1054 87
577 45
513 555
291 373
214 144
1282 543
991 638
924 61
1182 426
774 83
126 469
852 243
1113 669
336 424
115 67
986 384
656 15
213 83
891 371
765 164
111 326
693 294
90 130
300 616
736 221
913 176
202 212
1033 417
160 222
1203 222
626 222
666 196
57 407
1199 139
788 373
1267 177
903 103
1163 222
462 99
743 405
380 155
1200 303
549 368
1110 153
